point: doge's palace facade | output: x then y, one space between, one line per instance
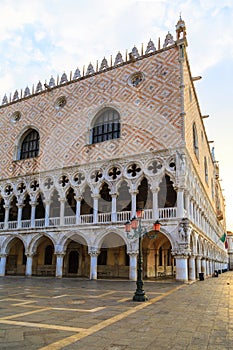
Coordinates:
79 155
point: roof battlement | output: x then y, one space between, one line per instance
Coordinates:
104 66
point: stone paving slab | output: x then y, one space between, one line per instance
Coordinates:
48 314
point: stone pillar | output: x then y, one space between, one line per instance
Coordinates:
181 268
59 264
6 218
203 266
95 207
133 265
114 207
29 262
198 264
33 213
78 209
155 203
47 212
180 202
187 204
62 211
192 268
207 267
93 265
19 216
133 203
3 264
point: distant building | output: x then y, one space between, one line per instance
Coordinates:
79 155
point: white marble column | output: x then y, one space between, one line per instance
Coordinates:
133 203
47 212
93 265
62 211
203 266
114 207
3 264
187 204
95 207
78 209
33 213
155 203
133 266
192 268
180 202
28 271
19 216
181 268
198 264
59 264
6 218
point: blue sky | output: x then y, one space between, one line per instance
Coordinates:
40 38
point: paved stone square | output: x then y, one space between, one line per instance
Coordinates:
48 313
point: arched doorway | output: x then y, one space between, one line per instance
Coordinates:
77 259
15 262
73 263
157 258
44 261
113 260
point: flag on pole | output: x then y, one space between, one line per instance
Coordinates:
223 238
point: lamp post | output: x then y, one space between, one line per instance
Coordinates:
139 232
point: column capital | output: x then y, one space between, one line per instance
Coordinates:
133 253
60 254
4 255
78 198
93 251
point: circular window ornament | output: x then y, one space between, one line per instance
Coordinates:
15 117
60 102
135 79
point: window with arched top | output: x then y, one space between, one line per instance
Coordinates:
195 141
106 126
30 142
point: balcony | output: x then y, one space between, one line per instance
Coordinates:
88 219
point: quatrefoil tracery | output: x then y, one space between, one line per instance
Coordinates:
79 178
96 175
134 170
155 167
114 173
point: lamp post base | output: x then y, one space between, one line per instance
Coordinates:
140 296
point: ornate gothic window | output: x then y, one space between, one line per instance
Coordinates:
195 141
106 126
30 144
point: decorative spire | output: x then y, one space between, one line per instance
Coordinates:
77 74
104 64
26 92
90 69
180 29
118 59
63 78
4 100
135 52
168 40
39 87
150 47
15 96
51 82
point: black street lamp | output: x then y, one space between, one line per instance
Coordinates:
139 232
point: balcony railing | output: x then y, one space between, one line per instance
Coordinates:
119 217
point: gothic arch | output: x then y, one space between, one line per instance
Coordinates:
7 242
19 140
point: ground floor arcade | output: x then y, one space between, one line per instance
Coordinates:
112 256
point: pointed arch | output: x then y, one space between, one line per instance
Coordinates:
105 126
